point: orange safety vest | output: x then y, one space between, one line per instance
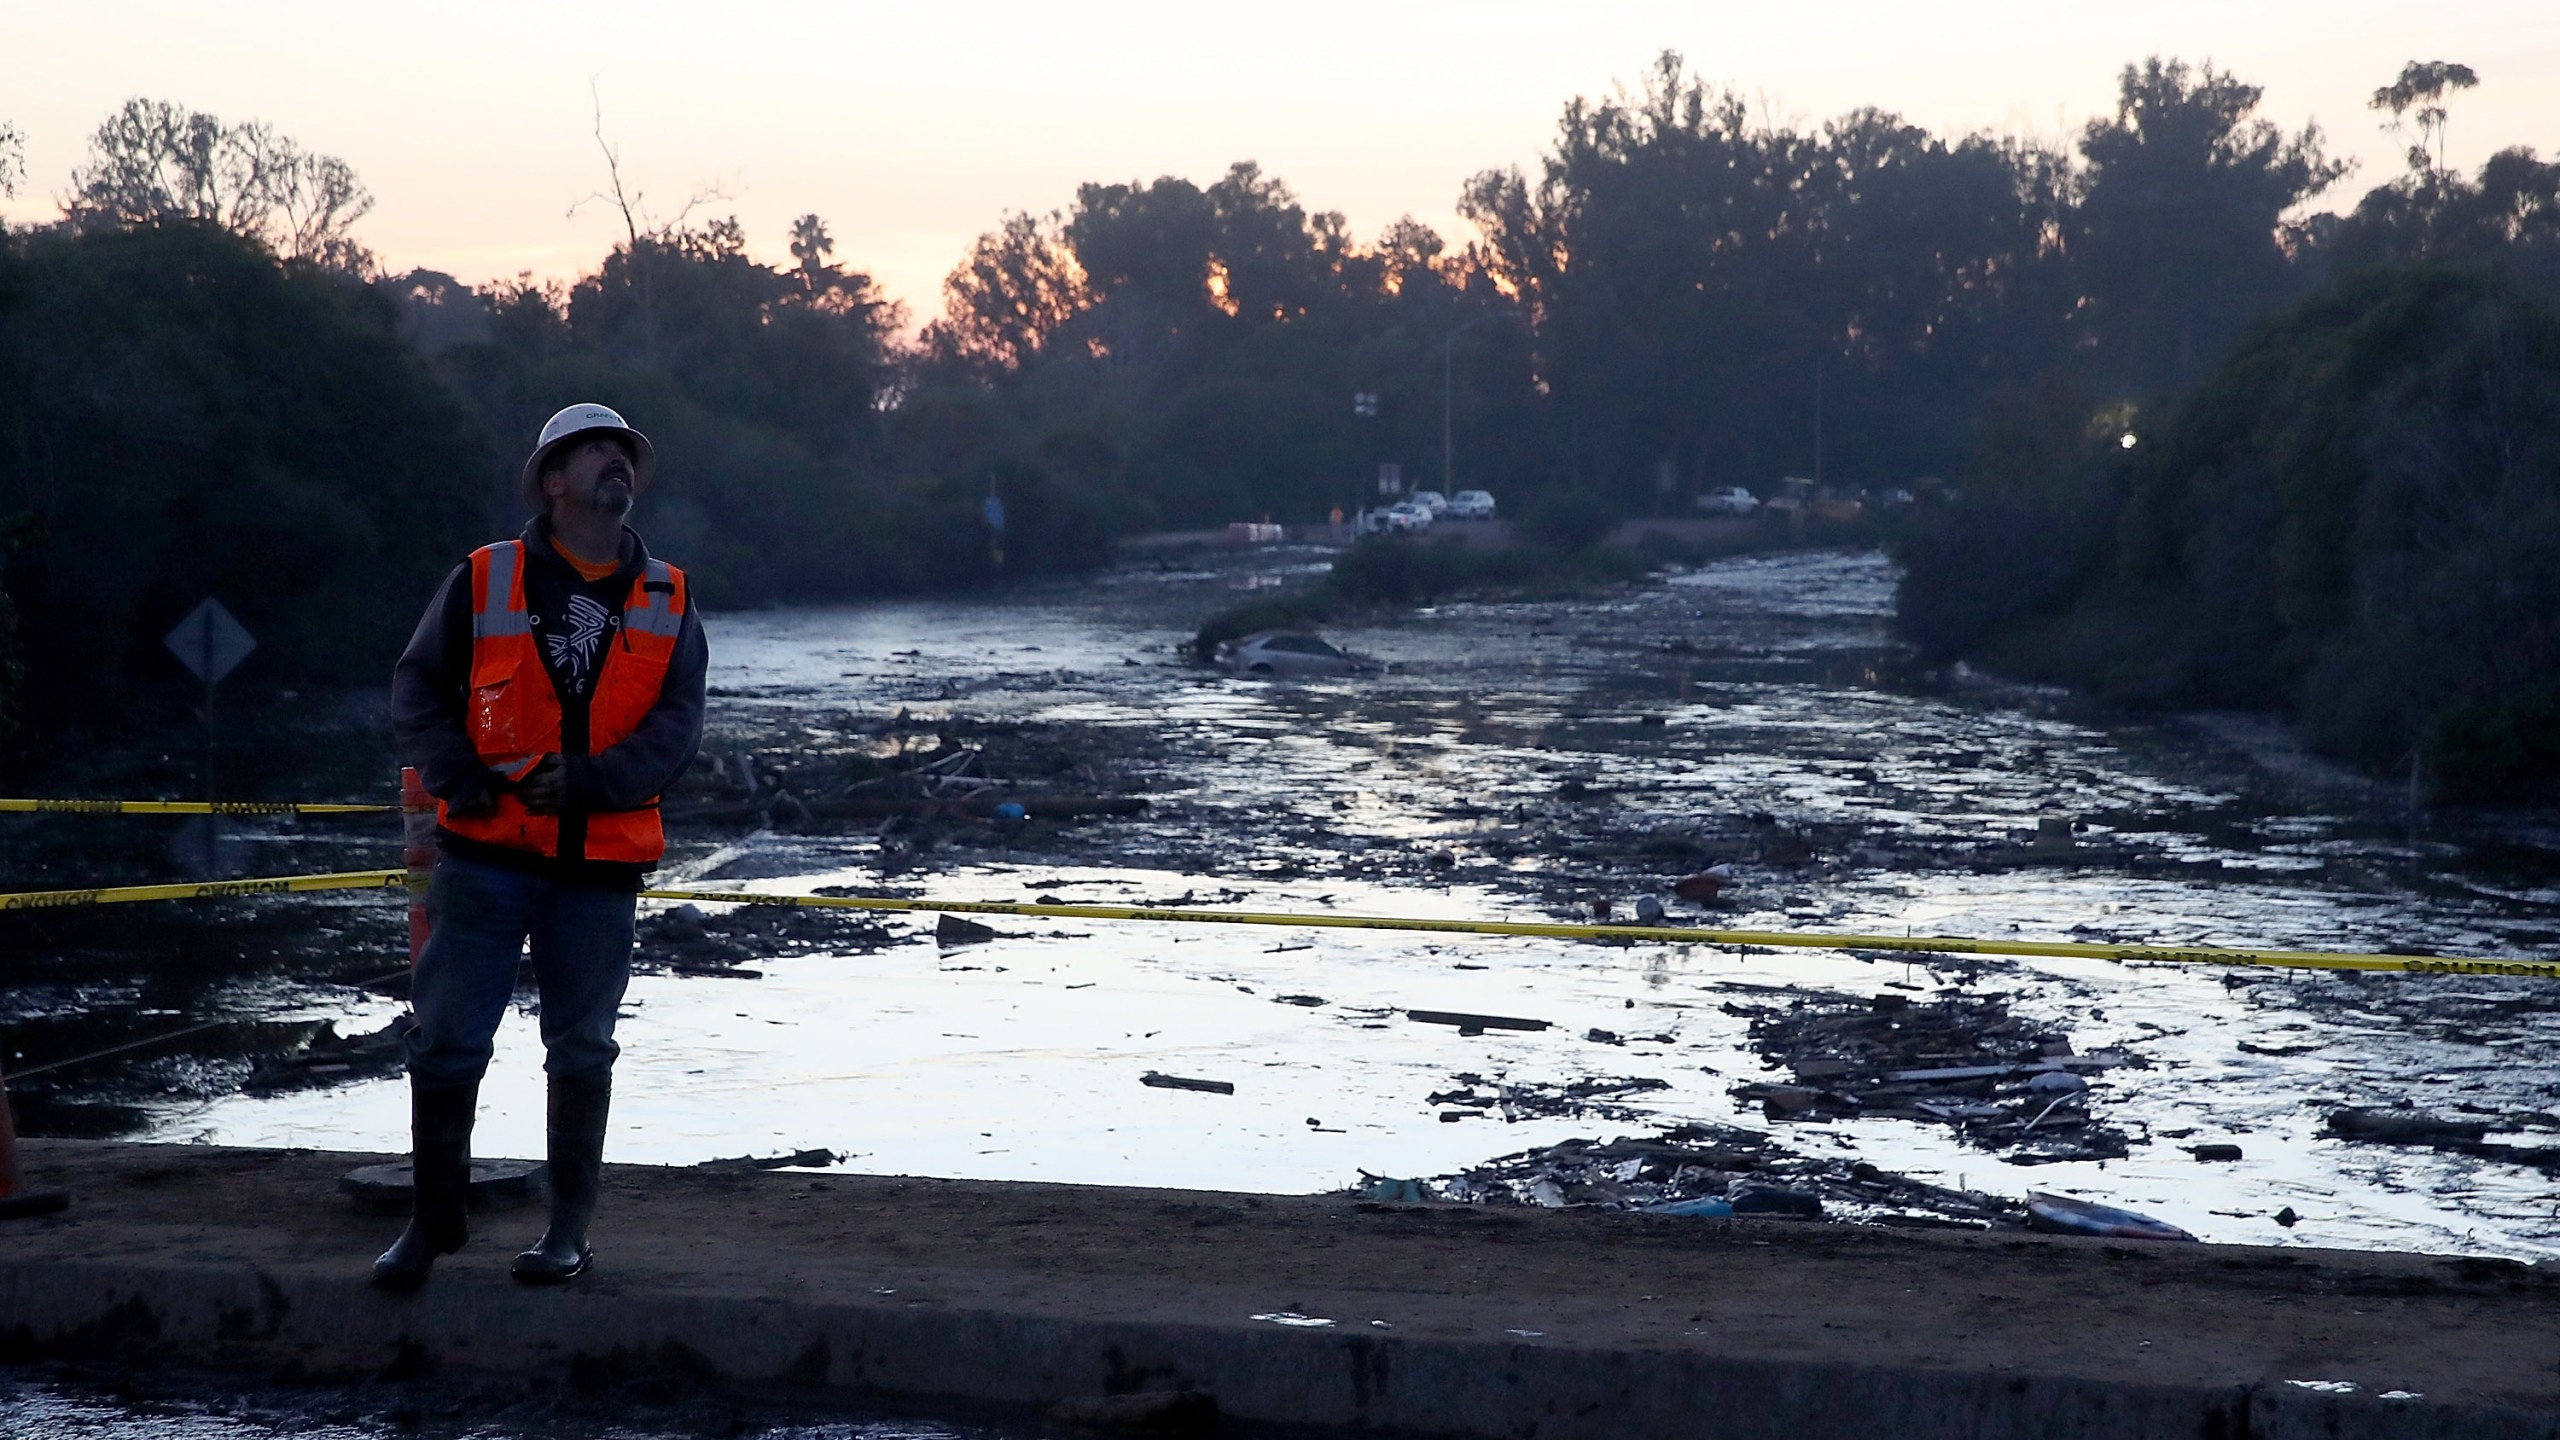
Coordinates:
514 715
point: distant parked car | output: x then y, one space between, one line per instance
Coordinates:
1412 516
1731 500
1288 652
1431 500
1470 505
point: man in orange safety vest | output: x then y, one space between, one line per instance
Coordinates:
552 692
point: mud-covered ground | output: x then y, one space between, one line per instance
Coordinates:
1519 760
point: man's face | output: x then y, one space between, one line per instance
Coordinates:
597 474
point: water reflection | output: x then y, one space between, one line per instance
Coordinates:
1520 759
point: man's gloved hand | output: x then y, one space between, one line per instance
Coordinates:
545 788
479 798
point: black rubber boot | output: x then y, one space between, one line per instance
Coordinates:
579 1105
440 1183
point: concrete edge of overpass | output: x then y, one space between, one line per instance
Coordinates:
308 1326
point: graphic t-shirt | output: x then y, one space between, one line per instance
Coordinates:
573 641
573 644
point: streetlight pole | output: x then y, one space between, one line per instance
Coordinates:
1448 442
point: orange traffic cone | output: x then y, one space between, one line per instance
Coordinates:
15 1199
418 843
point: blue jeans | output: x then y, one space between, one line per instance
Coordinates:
480 918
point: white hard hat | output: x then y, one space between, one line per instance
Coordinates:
582 419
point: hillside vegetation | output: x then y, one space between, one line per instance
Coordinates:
2353 519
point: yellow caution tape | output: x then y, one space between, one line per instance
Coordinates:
1672 934
206 889
1656 934
185 807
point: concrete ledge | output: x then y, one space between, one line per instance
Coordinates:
1554 1326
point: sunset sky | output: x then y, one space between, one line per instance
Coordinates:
912 128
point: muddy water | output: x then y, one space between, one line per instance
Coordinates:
1521 760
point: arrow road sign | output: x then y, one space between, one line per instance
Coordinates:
210 642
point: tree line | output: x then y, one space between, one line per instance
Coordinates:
202 369
2348 512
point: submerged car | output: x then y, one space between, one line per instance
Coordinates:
1471 505
1288 652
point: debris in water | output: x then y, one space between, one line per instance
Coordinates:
2403 1127
328 1058
2063 1215
2461 1137
1525 1100
1704 887
797 1159
2214 1152
1389 1190
1473 1024
1968 1063
1711 1207
952 930
1706 1170
1162 1081
688 940
1793 1204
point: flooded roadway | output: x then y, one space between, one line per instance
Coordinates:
1522 760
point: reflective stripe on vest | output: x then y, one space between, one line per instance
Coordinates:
514 716
656 612
498 608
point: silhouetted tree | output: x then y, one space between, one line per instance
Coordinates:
1018 287
805 351
1196 347
2509 215
2423 87
219 424
2180 233
1696 275
153 161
